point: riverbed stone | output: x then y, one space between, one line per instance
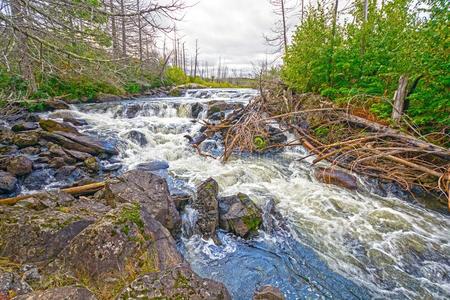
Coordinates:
75 121
19 165
6 134
268 293
239 215
53 126
26 139
56 104
147 189
62 293
385 221
336 177
137 137
92 164
25 126
207 205
176 283
8 182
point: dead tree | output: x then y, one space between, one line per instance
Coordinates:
399 99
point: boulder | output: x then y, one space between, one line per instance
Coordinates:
62 293
336 177
31 232
26 139
7 149
56 104
53 126
147 189
38 178
126 241
8 182
11 284
221 106
239 215
132 110
31 150
268 293
207 205
154 165
81 143
107 98
196 110
80 156
137 137
75 121
19 166
25 126
176 283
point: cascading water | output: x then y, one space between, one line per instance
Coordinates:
336 243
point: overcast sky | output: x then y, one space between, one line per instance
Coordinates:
230 29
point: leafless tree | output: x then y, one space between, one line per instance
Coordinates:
279 36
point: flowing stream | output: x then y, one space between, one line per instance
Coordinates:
337 243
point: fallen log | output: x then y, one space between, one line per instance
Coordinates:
75 191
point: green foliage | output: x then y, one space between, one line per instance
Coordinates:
133 88
402 37
175 76
260 143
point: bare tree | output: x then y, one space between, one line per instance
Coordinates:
279 36
197 50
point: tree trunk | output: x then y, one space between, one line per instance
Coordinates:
139 34
196 59
399 99
113 30
333 38
283 14
22 48
124 33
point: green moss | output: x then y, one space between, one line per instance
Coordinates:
252 222
133 215
260 143
214 109
182 282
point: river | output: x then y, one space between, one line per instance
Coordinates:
337 243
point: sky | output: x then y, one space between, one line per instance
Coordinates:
231 29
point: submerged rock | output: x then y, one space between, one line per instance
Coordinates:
207 205
239 215
176 283
336 177
268 293
62 293
147 189
137 137
19 166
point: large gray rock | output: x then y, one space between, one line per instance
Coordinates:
62 293
336 177
147 189
12 284
8 183
207 205
38 228
81 143
125 241
239 215
25 126
176 283
19 166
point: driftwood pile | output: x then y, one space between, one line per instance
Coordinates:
335 135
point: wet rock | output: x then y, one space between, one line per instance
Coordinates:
125 240
147 189
62 293
132 110
155 165
217 116
56 104
38 179
101 98
196 110
268 293
7 149
108 167
8 182
19 166
336 177
93 164
276 135
59 152
137 137
177 283
6 135
75 121
181 199
221 106
52 126
26 139
80 143
385 220
240 215
25 126
207 205
11 284
80 156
